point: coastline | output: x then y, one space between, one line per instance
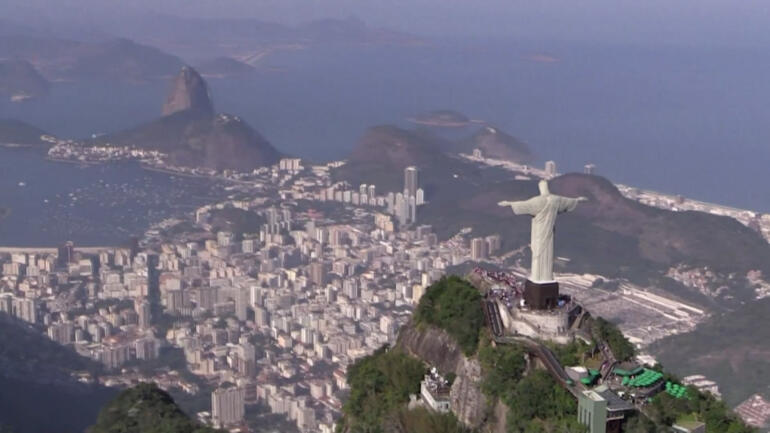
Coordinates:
78 162
172 172
446 123
16 146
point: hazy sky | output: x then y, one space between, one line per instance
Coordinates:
699 22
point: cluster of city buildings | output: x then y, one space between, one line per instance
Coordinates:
401 205
70 150
96 304
264 317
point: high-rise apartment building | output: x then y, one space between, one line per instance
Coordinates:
227 406
478 249
143 310
410 181
318 273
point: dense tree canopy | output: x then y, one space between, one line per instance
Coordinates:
666 410
573 353
620 346
538 404
535 401
454 305
503 367
380 384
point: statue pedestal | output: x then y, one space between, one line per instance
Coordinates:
541 296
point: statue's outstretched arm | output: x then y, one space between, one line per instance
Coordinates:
567 204
528 207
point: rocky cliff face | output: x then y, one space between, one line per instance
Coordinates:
467 400
437 348
188 92
432 345
500 418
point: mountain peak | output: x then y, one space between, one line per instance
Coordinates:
495 143
395 147
188 92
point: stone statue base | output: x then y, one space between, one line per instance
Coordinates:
541 296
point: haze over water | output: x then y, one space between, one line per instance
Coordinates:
680 120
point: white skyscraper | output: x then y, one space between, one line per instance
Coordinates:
478 249
420 196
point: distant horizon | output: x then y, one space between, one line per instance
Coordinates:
655 22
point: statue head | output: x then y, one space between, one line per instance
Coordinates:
543 185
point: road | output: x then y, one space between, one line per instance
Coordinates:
492 314
546 356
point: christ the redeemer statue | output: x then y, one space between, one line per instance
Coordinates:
543 209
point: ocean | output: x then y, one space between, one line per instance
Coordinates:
685 120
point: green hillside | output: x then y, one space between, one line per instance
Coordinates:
454 305
731 348
380 385
516 395
145 408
